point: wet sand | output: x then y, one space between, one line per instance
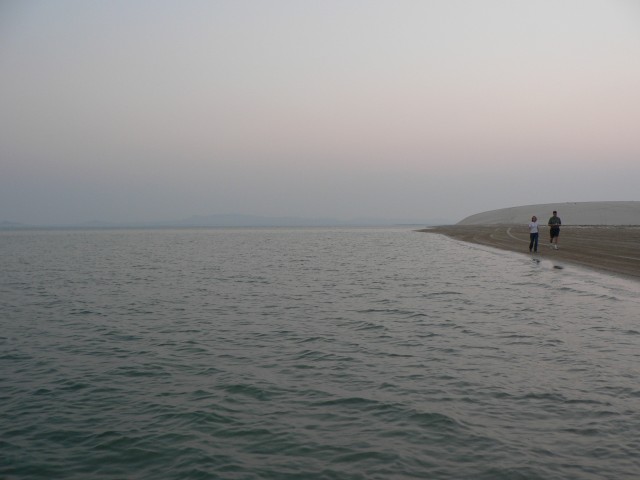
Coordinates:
610 249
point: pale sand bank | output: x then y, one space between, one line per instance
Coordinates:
574 213
614 249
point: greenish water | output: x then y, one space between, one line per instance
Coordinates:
311 354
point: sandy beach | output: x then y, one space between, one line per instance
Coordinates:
611 249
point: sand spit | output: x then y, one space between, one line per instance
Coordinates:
604 236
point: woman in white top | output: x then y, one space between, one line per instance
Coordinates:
533 234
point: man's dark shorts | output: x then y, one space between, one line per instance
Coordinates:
555 232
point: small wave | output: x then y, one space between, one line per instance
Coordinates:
348 402
137 371
362 326
441 294
249 391
360 457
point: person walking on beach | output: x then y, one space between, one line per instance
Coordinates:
554 230
533 234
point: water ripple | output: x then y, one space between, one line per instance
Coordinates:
309 353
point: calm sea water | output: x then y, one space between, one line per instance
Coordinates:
310 354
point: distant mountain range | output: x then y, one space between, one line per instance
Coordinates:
6 224
231 220
259 221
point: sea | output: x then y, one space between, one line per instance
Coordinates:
310 353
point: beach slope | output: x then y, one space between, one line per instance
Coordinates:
604 236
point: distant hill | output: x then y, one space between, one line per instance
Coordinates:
230 220
573 213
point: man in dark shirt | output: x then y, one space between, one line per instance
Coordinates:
554 229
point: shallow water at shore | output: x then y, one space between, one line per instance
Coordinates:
611 249
310 353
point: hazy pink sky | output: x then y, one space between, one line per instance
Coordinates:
134 111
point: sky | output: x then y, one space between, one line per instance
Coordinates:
137 111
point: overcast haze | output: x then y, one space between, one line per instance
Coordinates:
127 111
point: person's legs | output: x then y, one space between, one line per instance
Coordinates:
535 243
554 233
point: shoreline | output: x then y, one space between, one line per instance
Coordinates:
609 249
